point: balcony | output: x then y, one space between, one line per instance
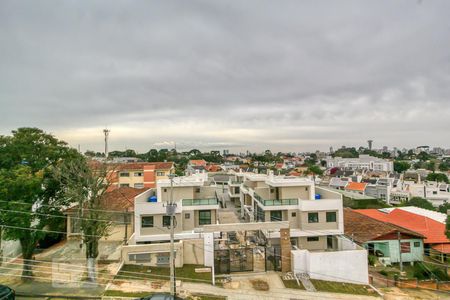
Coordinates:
192 202
275 202
234 183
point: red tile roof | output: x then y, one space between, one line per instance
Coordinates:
443 248
197 162
363 228
356 186
433 231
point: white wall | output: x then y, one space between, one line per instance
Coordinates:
342 266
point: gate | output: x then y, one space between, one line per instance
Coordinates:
233 260
273 258
241 260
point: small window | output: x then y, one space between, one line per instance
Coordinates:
139 257
165 190
124 184
312 239
197 190
204 217
405 247
138 174
160 173
124 174
313 217
272 191
147 221
331 216
417 244
187 215
166 221
294 214
138 185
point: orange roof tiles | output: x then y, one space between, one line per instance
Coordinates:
198 162
433 231
443 248
356 186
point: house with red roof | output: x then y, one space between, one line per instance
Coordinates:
356 187
435 240
382 238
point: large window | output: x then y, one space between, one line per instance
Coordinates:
276 215
160 173
124 174
124 185
166 221
138 174
313 217
204 217
331 216
312 239
147 221
138 185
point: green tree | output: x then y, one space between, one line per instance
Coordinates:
401 166
439 177
447 227
87 186
27 187
420 202
443 208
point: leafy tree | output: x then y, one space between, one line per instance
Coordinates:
443 208
89 153
401 166
346 153
431 166
439 177
315 170
27 187
87 186
423 156
447 227
420 202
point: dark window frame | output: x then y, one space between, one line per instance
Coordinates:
147 225
313 220
166 221
275 219
331 219
203 220
312 239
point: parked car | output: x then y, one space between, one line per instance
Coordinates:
7 293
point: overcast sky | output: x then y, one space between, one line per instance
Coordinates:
238 75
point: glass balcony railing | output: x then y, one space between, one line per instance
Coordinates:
275 202
191 202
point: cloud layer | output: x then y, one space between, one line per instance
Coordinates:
291 75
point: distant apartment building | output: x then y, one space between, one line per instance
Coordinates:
363 162
436 193
142 174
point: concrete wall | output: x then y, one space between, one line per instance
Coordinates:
154 250
179 192
322 224
321 244
332 265
193 252
294 192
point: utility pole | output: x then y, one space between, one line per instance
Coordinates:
170 211
400 251
125 221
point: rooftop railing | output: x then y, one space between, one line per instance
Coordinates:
274 202
208 201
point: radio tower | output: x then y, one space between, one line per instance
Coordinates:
106 133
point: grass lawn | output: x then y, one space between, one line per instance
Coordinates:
186 273
333 287
292 284
341 287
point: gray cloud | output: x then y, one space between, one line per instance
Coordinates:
238 74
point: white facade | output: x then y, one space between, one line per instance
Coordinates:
349 264
364 162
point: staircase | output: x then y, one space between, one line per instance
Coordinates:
304 279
